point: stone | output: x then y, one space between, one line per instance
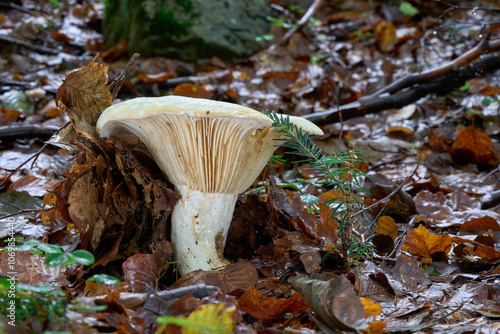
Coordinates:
187 29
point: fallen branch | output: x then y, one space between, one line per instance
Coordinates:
439 86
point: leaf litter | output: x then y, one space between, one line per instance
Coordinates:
433 172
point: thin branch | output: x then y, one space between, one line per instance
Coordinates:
34 157
310 12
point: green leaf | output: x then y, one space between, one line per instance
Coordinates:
14 99
104 279
408 9
83 257
465 86
57 259
473 112
97 308
309 199
56 2
35 288
50 249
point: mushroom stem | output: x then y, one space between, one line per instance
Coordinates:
200 222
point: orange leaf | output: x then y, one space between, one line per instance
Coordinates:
385 34
480 225
190 90
490 91
376 327
386 225
371 308
259 307
475 141
423 243
154 78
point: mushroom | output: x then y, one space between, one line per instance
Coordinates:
211 151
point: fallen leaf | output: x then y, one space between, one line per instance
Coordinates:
423 243
191 90
385 34
387 225
475 141
140 272
259 307
83 96
371 309
220 318
480 225
333 299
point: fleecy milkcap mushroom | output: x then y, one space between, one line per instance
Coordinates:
211 151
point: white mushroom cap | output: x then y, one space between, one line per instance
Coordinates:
205 145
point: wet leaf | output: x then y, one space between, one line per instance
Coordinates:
220 317
385 34
191 90
259 307
333 300
423 243
476 142
104 279
14 99
387 225
480 225
371 309
83 96
140 272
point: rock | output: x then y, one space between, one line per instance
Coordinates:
187 29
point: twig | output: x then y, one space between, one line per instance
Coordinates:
310 12
416 328
9 132
394 192
37 48
481 48
115 86
34 157
25 211
440 86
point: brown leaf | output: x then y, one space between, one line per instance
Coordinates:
140 272
473 252
83 96
387 225
259 307
33 185
154 78
475 141
191 90
480 225
385 34
8 116
423 243
333 299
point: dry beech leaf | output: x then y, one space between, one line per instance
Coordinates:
490 91
83 96
475 141
475 253
385 34
480 225
371 309
259 307
333 299
386 225
376 327
140 272
423 243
